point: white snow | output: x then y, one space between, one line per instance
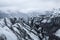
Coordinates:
9 34
32 35
58 33
44 21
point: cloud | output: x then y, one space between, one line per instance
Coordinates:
30 4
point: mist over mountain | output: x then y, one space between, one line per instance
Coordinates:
17 13
3 14
10 13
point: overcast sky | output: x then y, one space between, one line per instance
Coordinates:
29 4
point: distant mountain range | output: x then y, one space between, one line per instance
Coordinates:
17 13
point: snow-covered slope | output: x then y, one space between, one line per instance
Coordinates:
17 31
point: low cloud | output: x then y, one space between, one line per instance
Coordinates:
30 4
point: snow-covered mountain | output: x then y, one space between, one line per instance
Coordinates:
18 31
